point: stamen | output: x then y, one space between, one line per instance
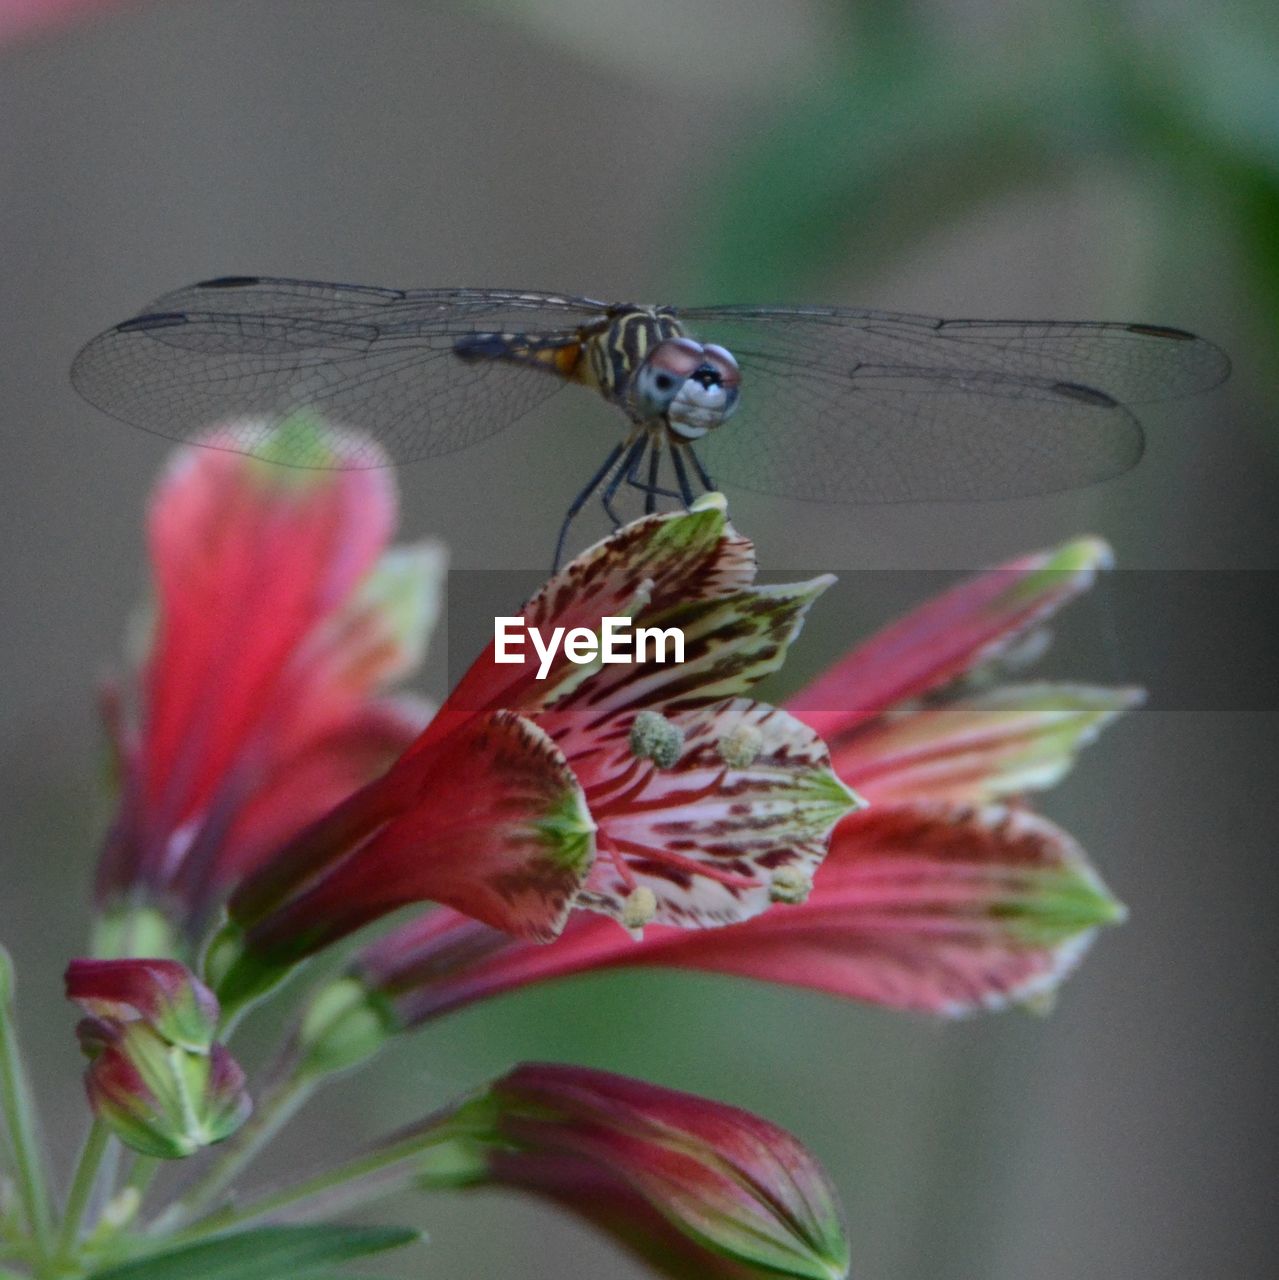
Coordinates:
655 738
639 908
741 745
790 884
605 841
691 866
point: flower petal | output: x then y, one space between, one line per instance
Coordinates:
940 909
380 635
731 642
996 744
326 769
495 826
610 1205
645 568
249 560
710 834
968 626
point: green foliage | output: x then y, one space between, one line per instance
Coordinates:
265 1253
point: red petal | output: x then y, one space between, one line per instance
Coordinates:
610 1204
299 790
493 824
248 560
1001 743
948 637
660 560
938 909
162 993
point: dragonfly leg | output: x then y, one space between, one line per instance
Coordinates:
651 490
707 483
654 469
583 498
628 464
681 473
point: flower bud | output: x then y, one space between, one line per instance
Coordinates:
675 1177
161 993
156 1076
345 1024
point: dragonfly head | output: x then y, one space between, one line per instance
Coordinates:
693 386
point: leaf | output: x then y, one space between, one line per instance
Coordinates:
264 1253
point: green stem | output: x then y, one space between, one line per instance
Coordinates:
86 1175
144 1170
358 1181
19 1115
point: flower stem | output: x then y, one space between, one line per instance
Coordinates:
17 1108
141 1174
86 1175
358 1181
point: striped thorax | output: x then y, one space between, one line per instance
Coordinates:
638 358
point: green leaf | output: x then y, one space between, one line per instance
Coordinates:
264 1253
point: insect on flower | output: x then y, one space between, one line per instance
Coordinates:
832 404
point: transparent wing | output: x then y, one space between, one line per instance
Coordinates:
865 406
248 353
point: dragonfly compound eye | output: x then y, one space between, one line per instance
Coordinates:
661 376
708 395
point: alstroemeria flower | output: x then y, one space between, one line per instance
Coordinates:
697 806
696 1187
939 897
704 800
156 1075
280 619
747 799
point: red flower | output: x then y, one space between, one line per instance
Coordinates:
704 806
939 897
280 618
702 798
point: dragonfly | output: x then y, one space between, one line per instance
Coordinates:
825 403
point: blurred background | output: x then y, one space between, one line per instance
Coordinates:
959 157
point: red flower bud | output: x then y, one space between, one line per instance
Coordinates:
156 1077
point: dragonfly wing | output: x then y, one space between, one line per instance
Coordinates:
893 436
1132 363
246 354
860 406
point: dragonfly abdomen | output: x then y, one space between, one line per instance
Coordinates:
560 354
